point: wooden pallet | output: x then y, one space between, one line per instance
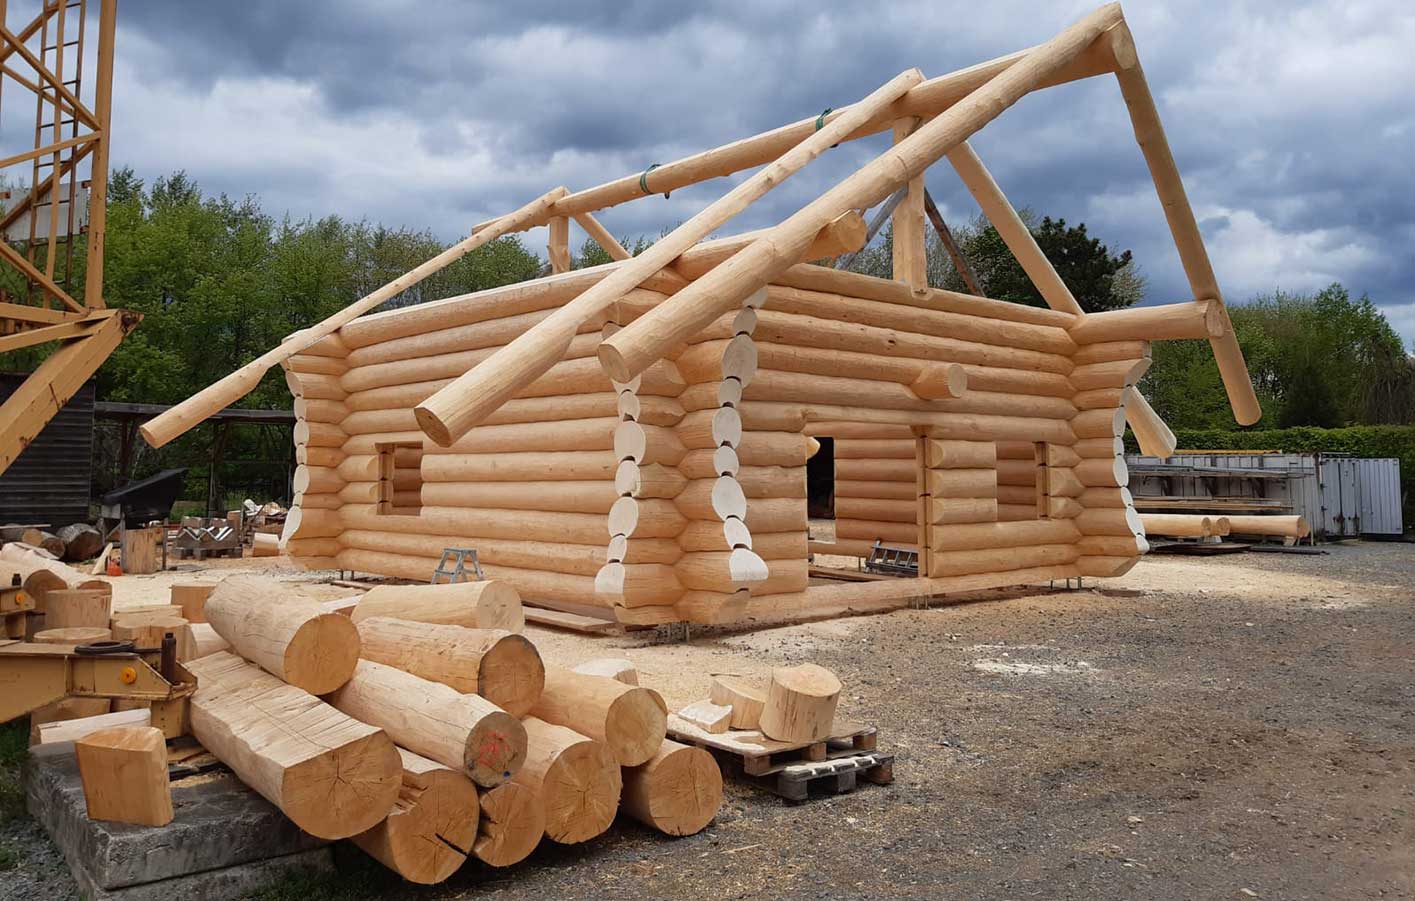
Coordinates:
793 769
201 553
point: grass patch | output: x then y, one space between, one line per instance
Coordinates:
14 747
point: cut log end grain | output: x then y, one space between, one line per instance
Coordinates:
678 792
430 831
630 721
800 703
322 653
511 674
512 823
578 780
496 747
635 725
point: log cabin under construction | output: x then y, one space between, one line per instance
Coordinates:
631 440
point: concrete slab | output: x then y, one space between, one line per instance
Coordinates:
224 840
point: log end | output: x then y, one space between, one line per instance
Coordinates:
511 675
635 726
512 823
678 792
496 749
346 791
322 655
581 792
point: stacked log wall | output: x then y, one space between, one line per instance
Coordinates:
681 494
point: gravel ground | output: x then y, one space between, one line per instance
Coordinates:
1229 727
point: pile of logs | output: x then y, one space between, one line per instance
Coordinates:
72 543
419 723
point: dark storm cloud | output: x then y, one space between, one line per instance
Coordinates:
1289 121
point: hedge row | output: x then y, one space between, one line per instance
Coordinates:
1396 441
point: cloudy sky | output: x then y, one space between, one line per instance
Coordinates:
1292 122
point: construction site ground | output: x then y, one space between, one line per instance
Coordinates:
1227 727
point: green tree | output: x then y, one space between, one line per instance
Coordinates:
1099 278
1324 360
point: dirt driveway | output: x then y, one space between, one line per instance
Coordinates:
1203 728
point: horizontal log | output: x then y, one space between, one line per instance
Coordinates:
1103 473
983 536
1115 374
944 454
1098 424
533 585
877 470
964 483
1283 526
875 449
500 666
947 511
462 731
851 547
1166 322
876 509
647 444
1105 567
332 775
884 490
866 430
1110 521
1108 351
565 497
1016 494
638 584
567 435
787 329
1112 545
514 468
1016 512
784 576
921 320
971 562
890 533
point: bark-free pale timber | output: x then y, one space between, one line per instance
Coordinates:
512 823
264 544
124 774
191 597
168 425
333 775
576 779
463 731
202 641
616 668
607 497
707 716
284 633
745 700
501 666
433 821
800 703
448 414
489 604
77 608
630 721
677 791
647 338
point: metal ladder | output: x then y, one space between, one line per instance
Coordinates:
458 573
896 560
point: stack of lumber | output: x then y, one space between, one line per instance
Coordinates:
419 726
72 543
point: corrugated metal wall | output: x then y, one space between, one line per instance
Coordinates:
1340 497
1380 496
49 481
